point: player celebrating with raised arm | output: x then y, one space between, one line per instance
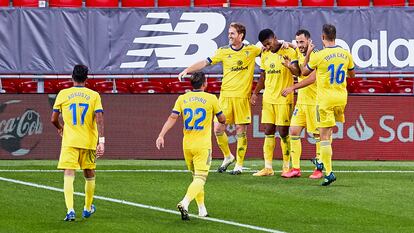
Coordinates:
277 66
82 115
238 66
198 109
332 65
304 114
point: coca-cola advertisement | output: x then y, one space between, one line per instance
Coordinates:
376 128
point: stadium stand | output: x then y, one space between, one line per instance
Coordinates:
31 87
174 3
353 3
4 3
150 87
410 2
369 87
318 3
214 87
393 3
108 87
282 3
102 3
402 86
210 3
245 3
65 3
179 87
26 3
138 3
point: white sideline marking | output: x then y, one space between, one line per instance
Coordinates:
143 206
211 171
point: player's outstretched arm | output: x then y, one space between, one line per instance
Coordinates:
221 118
306 82
172 119
55 121
194 67
258 88
100 148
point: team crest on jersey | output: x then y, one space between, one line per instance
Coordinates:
272 65
239 62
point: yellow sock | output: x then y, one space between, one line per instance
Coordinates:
200 198
195 187
268 148
241 148
68 191
295 151
326 154
223 143
285 145
318 146
89 191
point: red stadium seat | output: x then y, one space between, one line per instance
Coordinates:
180 87
63 85
245 3
108 87
31 87
369 87
26 3
411 2
172 3
318 3
381 3
65 3
4 3
102 3
281 3
402 86
364 3
150 87
214 87
138 3
210 3
8 86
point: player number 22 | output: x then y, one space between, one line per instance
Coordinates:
338 76
73 108
199 114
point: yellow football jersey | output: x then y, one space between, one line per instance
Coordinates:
306 95
198 109
332 64
238 69
277 76
78 106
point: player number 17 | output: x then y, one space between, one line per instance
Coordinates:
73 108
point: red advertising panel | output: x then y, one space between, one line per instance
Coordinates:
376 128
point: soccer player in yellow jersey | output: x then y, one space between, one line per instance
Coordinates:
238 61
276 74
304 114
332 65
198 109
82 114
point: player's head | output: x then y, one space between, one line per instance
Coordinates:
80 73
302 40
328 33
237 33
268 39
198 80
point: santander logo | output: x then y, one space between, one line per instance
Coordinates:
360 131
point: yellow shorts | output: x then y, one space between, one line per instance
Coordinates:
77 158
277 114
305 116
198 161
236 110
327 116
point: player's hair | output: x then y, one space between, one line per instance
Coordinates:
266 34
80 73
329 31
197 79
240 28
303 32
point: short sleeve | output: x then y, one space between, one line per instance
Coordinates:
313 61
293 56
57 106
262 62
351 64
216 108
98 104
257 50
216 58
177 109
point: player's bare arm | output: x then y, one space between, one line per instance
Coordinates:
100 148
221 118
55 121
293 67
258 88
305 70
306 82
351 73
172 119
194 67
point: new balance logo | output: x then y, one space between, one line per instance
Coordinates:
360 131
173 49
